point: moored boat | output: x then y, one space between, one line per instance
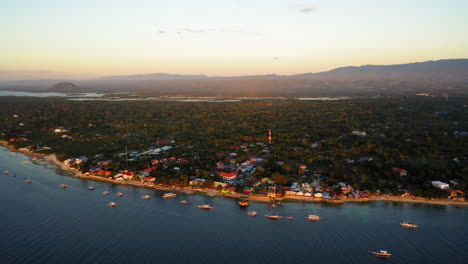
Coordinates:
28 181
408 225
145 197
6 172
63 185
252 213
205 206
381 253
183 202
273 216
169 195
90 188
105 192
112 204
313 217
244 203
119 194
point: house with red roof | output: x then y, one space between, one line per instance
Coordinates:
228 176
402 172
104 173
147 171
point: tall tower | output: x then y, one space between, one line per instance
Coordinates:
270 140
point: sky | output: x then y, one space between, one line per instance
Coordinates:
91 38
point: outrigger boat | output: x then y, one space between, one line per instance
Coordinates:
252 213
313 217
112 204
381 253
244 203
408 225
273 216
145 197
205 206
169 195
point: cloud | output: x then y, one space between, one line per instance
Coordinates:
302 8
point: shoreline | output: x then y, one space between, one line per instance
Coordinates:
213 193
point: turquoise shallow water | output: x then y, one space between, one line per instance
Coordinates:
43 223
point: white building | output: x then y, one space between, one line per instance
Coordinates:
440 185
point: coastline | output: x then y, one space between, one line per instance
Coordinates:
212 193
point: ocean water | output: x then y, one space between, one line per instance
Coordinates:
43 223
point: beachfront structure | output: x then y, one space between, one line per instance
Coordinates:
440 185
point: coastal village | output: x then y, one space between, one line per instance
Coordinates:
237 178
266 162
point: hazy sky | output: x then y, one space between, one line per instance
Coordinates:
89 38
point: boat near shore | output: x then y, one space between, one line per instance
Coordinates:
313 218
105 193
381 253
63 185
119 194
169 195
90 188
145 197
205 206
252 213
273 216
183 202
244 203
408 225
112 204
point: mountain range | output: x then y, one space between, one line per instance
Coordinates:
368 79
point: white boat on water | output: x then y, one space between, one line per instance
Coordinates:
90 188
145 197
6 172
28 181
112 204
408 225
313 217
183 202
119 194
252 213
381 253
105 192
273 216
169 195
205 206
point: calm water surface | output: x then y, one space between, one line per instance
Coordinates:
43 223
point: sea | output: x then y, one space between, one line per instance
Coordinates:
41 222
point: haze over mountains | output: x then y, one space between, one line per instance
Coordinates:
431 76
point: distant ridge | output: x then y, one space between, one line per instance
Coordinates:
427 77
454 69
154 76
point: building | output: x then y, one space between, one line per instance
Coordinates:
228 176
440 185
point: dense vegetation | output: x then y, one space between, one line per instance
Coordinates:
418 134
